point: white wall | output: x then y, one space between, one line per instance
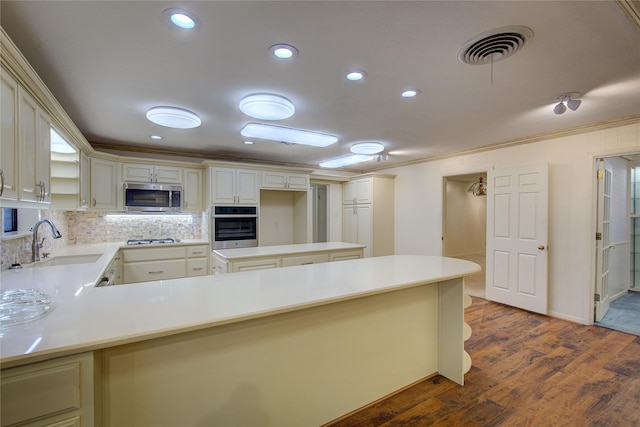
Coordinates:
418 195
466 220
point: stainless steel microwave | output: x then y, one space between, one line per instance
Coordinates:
152 197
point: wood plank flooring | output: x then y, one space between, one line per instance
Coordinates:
528 370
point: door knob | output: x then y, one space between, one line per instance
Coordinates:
541 247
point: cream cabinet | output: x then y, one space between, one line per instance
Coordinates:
8 137
233 186
192 183
83 197
137 172
162 263
58 392
368 213
113 273
284 181
104 179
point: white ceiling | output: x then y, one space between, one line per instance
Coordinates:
108 62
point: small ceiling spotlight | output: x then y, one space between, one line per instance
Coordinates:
356 75
411 93
572 103
283 51
181 18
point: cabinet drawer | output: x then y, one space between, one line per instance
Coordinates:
152 254
197 267
197 251
154 270
305 259
346 255
47 389
262 264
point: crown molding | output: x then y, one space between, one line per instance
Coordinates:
632 9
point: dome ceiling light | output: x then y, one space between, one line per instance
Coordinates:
266 106
367 148
288 135
283 51
173 117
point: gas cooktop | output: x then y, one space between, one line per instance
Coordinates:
149 241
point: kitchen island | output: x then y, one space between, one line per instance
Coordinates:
290 346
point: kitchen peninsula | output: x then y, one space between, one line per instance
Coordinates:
292 346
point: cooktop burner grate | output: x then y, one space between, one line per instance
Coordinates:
149 241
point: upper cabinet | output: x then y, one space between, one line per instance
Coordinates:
135 172
104 184
231 186
275 180
8 137
358 191
83 199
192 193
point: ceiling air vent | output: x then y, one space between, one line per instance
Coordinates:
494 45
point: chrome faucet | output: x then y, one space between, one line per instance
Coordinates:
36 245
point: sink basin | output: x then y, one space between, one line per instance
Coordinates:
71 259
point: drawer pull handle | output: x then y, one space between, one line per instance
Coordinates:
197 269
156 272
196 253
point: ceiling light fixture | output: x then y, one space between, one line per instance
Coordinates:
356 75
288 135
411 93
173 117
572 103
478 188
157 137
349 159
283 51
248 142
266 106
367 148
181 18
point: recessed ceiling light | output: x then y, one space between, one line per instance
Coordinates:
155 137
289 135
248 142
349 159
411 93
283 51
180 18
356 75
266 106
367 148
173 117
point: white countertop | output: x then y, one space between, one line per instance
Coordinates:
280 250
85 318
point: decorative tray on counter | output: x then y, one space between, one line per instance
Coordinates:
22 305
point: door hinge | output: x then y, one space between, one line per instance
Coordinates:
596 297
598 235
600 174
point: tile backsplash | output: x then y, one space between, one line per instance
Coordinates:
86 227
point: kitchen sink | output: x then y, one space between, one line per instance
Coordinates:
71 259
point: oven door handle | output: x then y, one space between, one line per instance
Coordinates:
235 216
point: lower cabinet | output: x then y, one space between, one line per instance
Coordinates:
174 262
224 265
56 392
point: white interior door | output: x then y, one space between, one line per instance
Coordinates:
603 241
517 209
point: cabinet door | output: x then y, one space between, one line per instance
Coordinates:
248 191
349 193
8 137
43 158
222 186
168 175
104 184
154 270
83 198
137 172
364 229
28 122
263 264
364 190
197 267
276 180
349 225
296 181
192 190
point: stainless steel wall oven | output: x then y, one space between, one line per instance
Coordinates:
234 226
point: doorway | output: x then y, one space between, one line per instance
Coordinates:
320 208
465 227
618 251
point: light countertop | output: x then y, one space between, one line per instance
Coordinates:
281 250
85 318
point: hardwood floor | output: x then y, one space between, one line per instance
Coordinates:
528 370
